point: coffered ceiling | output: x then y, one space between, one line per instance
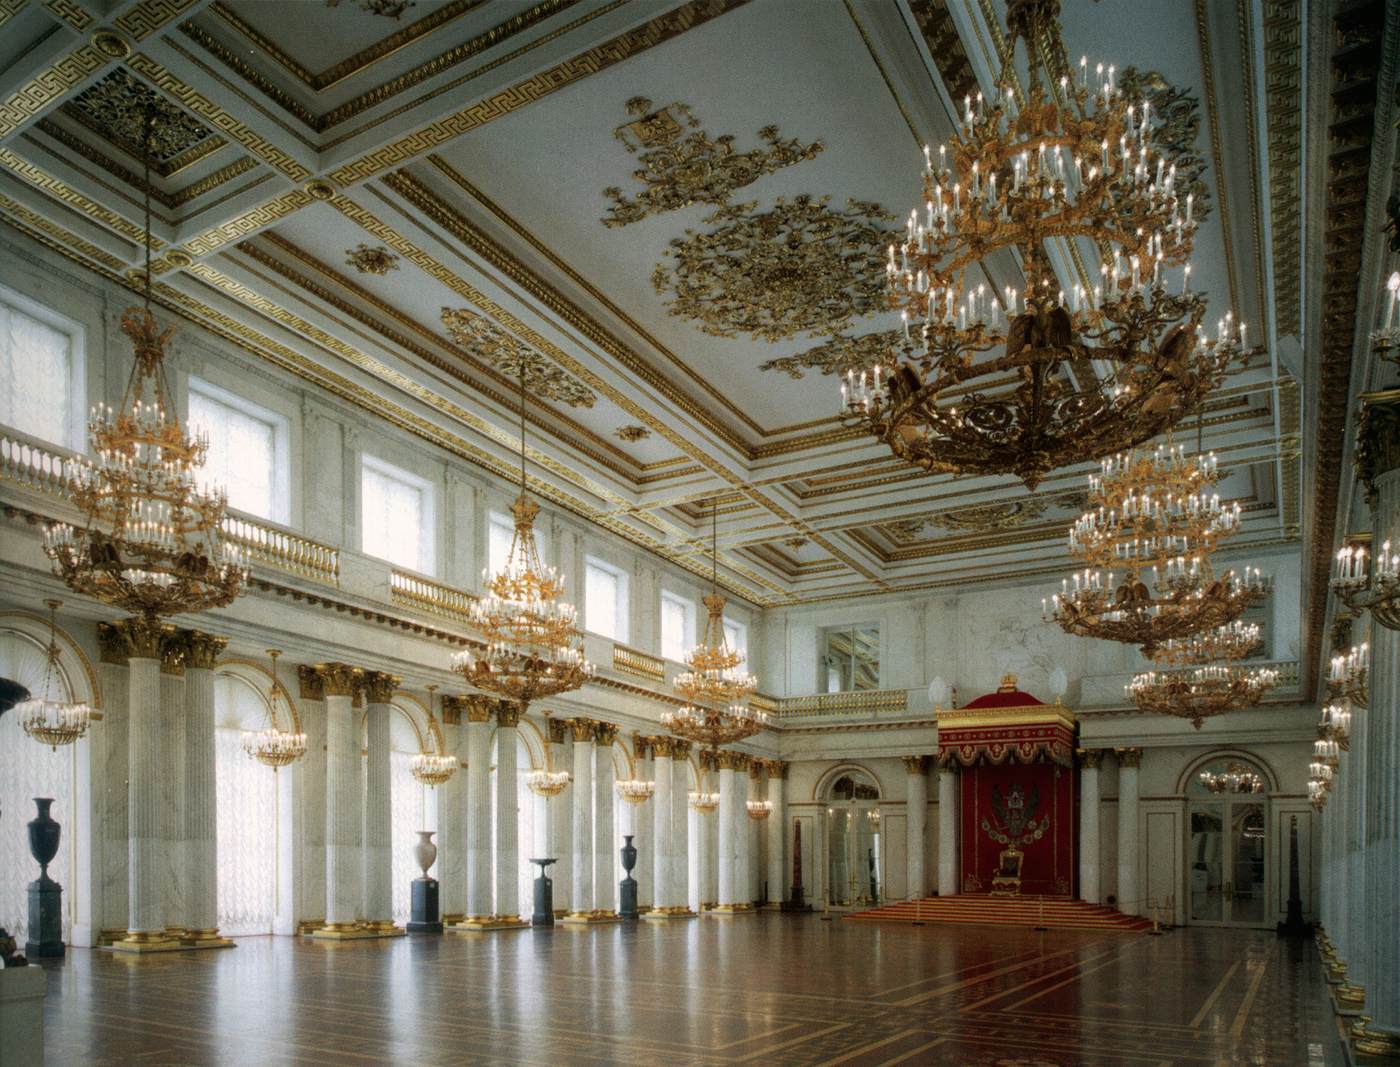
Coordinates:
668 212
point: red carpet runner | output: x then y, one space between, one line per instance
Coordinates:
980 909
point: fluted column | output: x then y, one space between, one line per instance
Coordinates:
343 816
915 819
310 793
643 823
174 850
605 857
680 829
146 908
748 832
662 836
1129 760
452 816
201 821
507 816
776 825
114 675
708 869
724 830
378 856
1089 760
581 904
1356 952
478 848
947 831
561 819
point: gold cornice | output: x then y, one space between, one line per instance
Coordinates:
1026 715
1243 16
1283 73
56 237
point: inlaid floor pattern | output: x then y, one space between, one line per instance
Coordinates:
766 989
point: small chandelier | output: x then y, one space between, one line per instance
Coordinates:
1237 777
759 809
533 646
1225 644
272 745
1199 693
1317 793
635 790
704 802
1370 585
1336 720
716 687
1067 165
1385 342
47 718
433 768
153 542
1349 675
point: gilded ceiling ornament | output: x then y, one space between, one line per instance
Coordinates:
983 518
679 168
799 267
390 9
1179 116
632 433
795 543
840 354
367 260
492 345
115 107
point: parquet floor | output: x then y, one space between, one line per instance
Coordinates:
765 989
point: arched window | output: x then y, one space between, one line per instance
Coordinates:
246 801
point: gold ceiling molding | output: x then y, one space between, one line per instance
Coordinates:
249 222
10 8
639 39
70 197
515 359
115 107
250 74
997 515
840 354
1290 415
1244 17
1216 155
49 85
71 13
377 260
940 35
1283 91
57 234
217 117
679 168
798 267
151 15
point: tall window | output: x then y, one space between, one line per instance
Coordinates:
677 626
247 450
397 516
605 603
41 379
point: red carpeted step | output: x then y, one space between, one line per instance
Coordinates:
987 910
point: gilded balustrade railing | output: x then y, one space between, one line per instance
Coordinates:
640 664
409 590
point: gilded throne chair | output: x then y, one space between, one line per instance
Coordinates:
1007 880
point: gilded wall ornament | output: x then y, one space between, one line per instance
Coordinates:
799 267
632 433
115 107
679 168
493 346
367 260
984 518
840 354
389 9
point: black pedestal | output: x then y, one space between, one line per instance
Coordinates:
45 919
544 895
627 888
1293 924
424 918
796 903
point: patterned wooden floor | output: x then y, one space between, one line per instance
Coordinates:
764 989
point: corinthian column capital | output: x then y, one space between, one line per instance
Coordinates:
606 733
339 679
1090 758
916 765
1129 757
202 650
309 682
379 686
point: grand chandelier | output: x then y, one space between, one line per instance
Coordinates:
1225 644
48 718
1027 381
1237 777
635 790
1199 693
429 767
1370 585
273 745
715 685
533 648
153 542
1145 543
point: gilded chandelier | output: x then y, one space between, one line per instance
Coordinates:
1225 644
635 790
429 767
1366 584
1349 675
715 686
153 541
989 382
547 782
533 646
48 718
272 745
1199 693
1237 777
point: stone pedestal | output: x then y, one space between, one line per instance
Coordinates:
22 991
424 917
544 895
627 888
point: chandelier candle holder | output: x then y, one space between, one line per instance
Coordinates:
1200 693
635 790
989 382
1385 342
1237 777
1366 584
273 746
1349 674
704 802
759 809
433 768
48 718
1336 723
1230 643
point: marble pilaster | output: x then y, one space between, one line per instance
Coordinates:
378 897
1129 893
606 869
644 820
581 908
947 831
201 652
679 874
309 791
729 801
1089 761
915 820
748 833
174 857
662 837
561 820
113 674
777 822
479 711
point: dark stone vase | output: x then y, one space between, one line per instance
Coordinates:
628 886
544 895
45 895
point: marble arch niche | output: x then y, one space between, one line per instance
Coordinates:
853 845
1229 844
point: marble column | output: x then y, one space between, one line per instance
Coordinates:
581 904
606 864
378 855
724 834
662 837
749 834
1355 950
561 820
708 871
113 673
146 908
174 851
947 831
1129 760
680 830
643 819
360 720
507 915
915 820
1089 760
201 651
452 817
343 815
310 793
480 710
777 823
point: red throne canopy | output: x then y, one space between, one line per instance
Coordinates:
1018 788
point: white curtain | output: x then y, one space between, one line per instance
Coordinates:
246 795
29 769
242 454
407 817
36 375
392 519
